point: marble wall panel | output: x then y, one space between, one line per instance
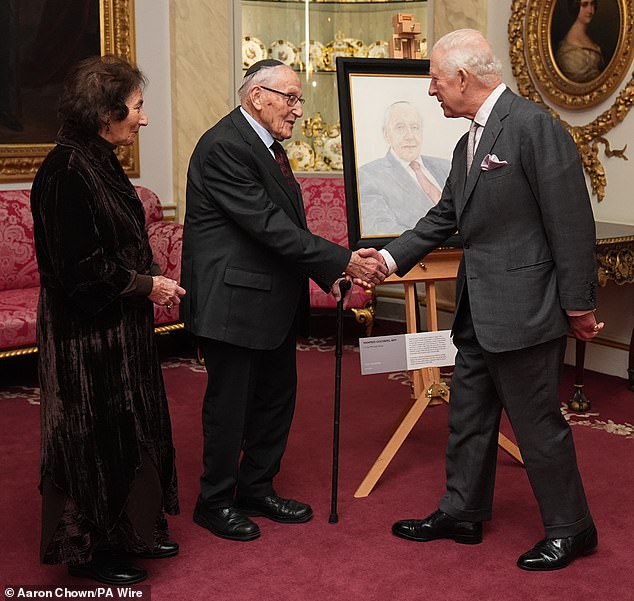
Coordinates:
459 14
201 39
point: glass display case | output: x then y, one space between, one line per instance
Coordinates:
309 35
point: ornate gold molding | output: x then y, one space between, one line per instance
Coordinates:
19 162
616 261
533 64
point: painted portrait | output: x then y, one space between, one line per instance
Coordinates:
397 146
39 42
584 36
42 39
578 51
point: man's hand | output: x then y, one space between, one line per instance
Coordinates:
367 267
336 291
584 327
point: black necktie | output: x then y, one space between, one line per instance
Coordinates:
285 167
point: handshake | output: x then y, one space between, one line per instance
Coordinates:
366 268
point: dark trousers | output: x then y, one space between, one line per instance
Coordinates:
525 384
247 412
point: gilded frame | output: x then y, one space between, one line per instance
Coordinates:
527 62
19 162
546 23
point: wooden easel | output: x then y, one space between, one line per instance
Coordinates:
437 265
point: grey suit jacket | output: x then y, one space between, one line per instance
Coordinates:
247 253
390 200
526 227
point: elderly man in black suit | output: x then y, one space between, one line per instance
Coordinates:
247 257
517 196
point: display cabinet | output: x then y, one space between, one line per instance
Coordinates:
309 35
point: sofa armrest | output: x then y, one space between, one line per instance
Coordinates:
166 240
325 205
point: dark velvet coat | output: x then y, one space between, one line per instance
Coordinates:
104 409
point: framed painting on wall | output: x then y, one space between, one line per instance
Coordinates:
579 51
39 41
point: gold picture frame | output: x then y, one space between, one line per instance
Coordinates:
534 65
20 161
573 76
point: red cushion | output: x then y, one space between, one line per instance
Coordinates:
325 204
18 314
166 239
18 267
320 300
151 204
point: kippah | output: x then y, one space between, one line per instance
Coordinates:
267 62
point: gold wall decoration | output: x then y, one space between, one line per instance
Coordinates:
20 160
535 30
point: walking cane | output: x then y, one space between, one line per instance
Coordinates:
344 286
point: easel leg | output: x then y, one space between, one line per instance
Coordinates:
392 447
510 447
427 387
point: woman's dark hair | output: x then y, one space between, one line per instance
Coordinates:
574 6
95 91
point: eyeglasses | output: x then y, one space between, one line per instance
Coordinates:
291 99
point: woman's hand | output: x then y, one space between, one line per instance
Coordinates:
165 292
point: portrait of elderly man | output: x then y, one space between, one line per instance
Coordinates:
398 189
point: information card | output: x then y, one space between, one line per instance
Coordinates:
380 354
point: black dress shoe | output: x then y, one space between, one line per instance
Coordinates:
109 569
160 551
226 522
557 553
439 525
287 511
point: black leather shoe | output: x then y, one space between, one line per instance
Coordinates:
439 525
109 569
287 511
226 522
557 553
160 551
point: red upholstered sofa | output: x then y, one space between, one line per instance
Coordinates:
325 204
19 278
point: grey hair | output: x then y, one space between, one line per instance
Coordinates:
264 76
468 49
390 109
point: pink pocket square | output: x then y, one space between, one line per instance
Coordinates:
491 162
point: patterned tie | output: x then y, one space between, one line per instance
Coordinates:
425 184
471 144
285 167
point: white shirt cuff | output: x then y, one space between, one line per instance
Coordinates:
389 261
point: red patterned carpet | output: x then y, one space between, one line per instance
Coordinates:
358 558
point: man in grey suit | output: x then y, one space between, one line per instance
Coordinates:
527 278
247 257
396 190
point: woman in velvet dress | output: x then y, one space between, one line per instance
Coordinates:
107 461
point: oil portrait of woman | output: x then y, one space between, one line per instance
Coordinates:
579 57
585 34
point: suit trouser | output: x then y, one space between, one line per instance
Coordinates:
247 413
525 384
